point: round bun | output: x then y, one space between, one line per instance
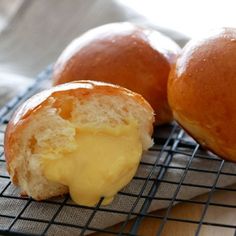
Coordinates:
124 54
202 91
51 125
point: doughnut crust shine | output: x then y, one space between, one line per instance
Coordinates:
202 91
124 54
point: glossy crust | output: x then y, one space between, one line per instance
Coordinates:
124 54
78 89
202 91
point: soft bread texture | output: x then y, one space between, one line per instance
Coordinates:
202 91
47 120
121 53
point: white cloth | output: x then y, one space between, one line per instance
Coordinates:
40 30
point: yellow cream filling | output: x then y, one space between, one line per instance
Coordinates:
103 162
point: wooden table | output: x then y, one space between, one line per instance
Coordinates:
214 214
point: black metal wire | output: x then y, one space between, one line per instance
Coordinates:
209 199
19 215
55 215
176 191
165 147
155 186
91 216
161 173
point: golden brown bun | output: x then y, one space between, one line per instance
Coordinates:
49 115
202 91
121 53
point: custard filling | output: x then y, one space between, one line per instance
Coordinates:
101 163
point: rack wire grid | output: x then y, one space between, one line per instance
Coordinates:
165 147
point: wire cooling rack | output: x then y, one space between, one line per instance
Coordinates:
170 141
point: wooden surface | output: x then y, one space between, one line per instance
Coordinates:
190 211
